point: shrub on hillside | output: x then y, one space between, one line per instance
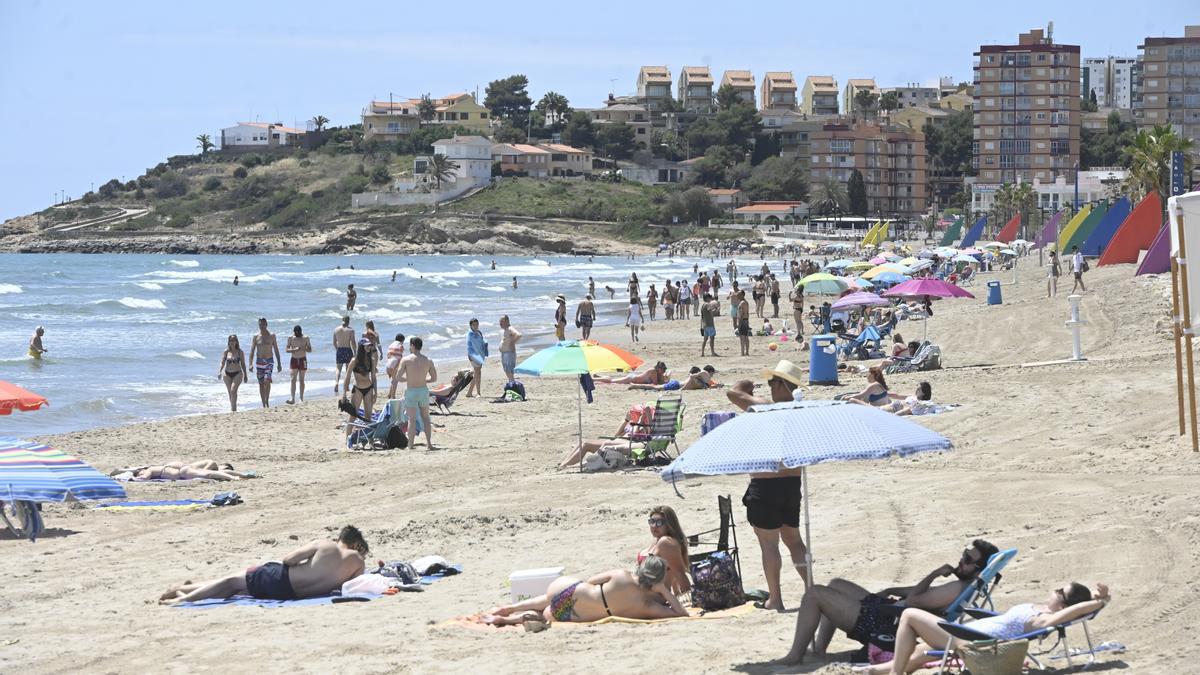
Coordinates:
240 172
251 161
170 184
380 175
213 183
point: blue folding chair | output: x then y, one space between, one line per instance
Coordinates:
964 632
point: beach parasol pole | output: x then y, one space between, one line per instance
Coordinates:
579 412
808 556
1185 323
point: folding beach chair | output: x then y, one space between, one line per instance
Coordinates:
928 357
664 427
726 532
965 633
22 518
384 432
715 566
443 402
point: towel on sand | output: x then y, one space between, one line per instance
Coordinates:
163 504
247 601
474 621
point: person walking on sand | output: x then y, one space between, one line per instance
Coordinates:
509 337
395 352
733 305
585 316
634 319
36 348
708 325
774 297
298 348
743 322
232 369
477 352
1078 266
417 371
1053 272
343 346
264 348
796 295
560 317
351 297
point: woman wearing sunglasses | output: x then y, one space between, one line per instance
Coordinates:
670 544
1064 604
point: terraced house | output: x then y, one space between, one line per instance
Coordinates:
696 89
779 91
743 83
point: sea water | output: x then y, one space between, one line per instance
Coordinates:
139 337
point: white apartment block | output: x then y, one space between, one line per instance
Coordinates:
1111 77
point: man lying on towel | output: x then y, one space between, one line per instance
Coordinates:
640 595
317 568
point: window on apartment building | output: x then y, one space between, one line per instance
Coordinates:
816 159
839 145
641 131
989 102
1041 57
991 59
989 145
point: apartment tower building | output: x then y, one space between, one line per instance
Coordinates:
1027 117
1170 83
891 159
1111 78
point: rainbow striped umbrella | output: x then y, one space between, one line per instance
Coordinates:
36 472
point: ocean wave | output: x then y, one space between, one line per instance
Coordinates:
221 276
393 315
473 263
333 291
189 354
132 303
292 262
150 285
10 288
496 289
184 263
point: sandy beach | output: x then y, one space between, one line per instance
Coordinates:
1076 465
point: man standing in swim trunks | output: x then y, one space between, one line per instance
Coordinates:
343 344
743 322
351 297
585 316
417 370
36 349
298 348
264 349
317 568
509 337
708 325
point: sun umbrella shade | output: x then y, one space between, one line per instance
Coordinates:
890 278
883 269
811 433
860 265
13 398
822 283
860 299
859 282
838 264
38 473
575 357
934 288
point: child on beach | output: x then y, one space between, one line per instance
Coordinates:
635 318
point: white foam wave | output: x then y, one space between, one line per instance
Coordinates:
10 288
184 263
132 303
496 289
473 263
384 314
333 291
223 276
190 354
293 262
150 285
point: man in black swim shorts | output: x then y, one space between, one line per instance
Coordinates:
772 504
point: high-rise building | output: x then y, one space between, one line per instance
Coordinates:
1111 78
891 159
913 95
1170 83
820 95
1027 117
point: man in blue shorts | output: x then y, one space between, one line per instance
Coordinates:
343 344
708 325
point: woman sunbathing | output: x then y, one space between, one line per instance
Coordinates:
1064 604
656 375
670 544
698 378
619 442
632 595
206 469
917 404
876 391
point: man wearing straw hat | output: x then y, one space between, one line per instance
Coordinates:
772 500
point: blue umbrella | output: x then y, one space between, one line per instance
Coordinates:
838 264
790 436
888 278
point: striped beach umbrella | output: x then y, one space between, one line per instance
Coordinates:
823 283
36 472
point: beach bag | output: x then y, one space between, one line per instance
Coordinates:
994 657
514 391
1086 266
715 582
396 438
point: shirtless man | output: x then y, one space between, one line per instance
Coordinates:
298 348
35 344
633 595
509 337
264 349
743 326
585 316
351 297
343 344
317 568
417 370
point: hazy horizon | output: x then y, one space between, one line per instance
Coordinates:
117 87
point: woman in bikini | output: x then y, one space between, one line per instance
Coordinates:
232 369
362 368
876 391
632 595
656 375
670 544
206 469
373 335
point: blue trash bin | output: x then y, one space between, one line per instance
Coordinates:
822 366
994 293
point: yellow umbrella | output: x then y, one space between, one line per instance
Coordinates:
910 261
885 267
860 265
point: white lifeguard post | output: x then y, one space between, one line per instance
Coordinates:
1075 324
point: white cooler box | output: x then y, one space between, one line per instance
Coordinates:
526 584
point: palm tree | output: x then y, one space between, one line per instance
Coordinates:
441 168
1150 158
426 109
204 141
319 122
866 101
829 196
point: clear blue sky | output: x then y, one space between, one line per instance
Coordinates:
96 90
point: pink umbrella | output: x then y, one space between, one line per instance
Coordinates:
927 288
877 260
860 299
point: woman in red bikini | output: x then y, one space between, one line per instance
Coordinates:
670 544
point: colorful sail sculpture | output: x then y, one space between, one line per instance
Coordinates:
1136 233
974 233
1049 230
1009 231
953 231
1158 256
1085 228
1073 224
1098 240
